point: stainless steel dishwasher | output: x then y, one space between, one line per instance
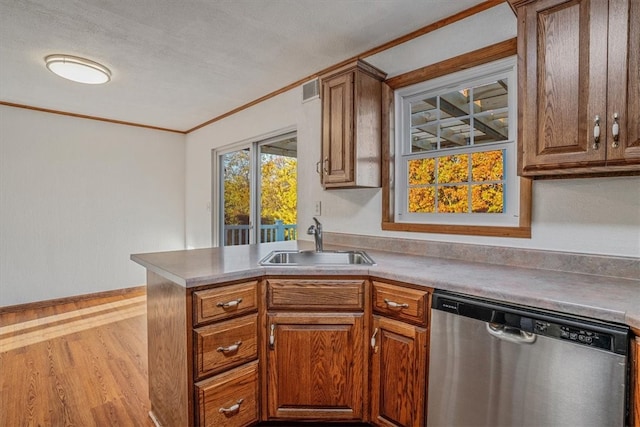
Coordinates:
493 364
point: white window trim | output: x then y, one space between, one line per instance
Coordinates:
472 77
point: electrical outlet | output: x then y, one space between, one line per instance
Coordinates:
317 210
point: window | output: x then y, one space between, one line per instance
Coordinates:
456 155
256 191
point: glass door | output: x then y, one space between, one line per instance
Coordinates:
278 165
258 191
235 168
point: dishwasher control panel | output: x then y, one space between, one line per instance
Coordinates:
571 333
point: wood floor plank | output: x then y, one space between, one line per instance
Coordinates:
79 364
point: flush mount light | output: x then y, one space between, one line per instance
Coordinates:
78 69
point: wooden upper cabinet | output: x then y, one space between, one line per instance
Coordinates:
351 126
578 77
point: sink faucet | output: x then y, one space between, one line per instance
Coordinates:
316 231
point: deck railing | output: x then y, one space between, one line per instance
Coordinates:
278 232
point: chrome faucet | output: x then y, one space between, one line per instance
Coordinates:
316 231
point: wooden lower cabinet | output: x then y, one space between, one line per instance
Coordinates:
286 350
398 374
229 399
315 366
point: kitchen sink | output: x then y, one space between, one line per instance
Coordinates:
310 258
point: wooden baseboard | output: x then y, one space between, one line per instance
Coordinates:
137 290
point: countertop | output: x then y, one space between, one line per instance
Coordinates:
599 297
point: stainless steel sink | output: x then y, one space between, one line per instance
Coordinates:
310 258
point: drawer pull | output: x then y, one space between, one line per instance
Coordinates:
393 304
230 304
231 409
229 349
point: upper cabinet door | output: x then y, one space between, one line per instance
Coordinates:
623 101
351 126
337 142
579 86
563 83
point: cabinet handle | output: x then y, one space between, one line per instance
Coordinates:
325 167
230 304
393 304
272 336
373 340
318 167
229 349
596 132
233 408
615 130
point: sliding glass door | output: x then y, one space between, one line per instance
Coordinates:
258 192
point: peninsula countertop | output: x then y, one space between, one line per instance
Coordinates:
600 297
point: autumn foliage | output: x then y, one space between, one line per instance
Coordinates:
459 183
278 189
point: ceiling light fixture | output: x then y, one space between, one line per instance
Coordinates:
78 69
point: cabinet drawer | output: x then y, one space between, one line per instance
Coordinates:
401 303
224 345
308 295
227 301
229 399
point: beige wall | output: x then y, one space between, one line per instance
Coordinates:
77 197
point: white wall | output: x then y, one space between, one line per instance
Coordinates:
599 216
77 197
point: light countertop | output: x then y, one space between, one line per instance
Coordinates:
600 297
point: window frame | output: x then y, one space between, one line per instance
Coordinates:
448 70
476 77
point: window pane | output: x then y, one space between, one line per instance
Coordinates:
490 104
487 198
491 127
422 200
422 171
453 169
423 111
455 104
491 96
487 166
455 133
424 138
453 199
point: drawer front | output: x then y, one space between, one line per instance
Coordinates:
229 399
402 303
225 302
223 345
291 294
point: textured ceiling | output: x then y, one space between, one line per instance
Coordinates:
177 64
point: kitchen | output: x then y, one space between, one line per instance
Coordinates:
569 216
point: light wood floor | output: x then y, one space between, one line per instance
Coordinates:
76 364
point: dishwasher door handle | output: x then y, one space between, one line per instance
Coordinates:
513 335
